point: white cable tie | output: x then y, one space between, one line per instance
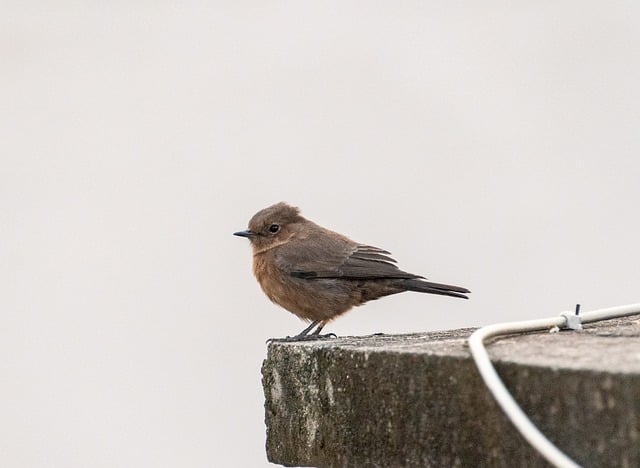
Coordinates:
574 322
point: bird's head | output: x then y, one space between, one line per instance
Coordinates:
272 226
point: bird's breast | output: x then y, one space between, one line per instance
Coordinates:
272 280
310 300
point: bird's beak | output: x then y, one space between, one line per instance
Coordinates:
246 233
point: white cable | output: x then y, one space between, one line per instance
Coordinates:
519 419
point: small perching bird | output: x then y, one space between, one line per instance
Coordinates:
318 274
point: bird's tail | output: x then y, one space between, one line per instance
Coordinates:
434 288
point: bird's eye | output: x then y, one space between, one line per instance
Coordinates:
274 228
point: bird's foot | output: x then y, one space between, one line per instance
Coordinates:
297 338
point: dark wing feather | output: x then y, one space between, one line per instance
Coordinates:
334 256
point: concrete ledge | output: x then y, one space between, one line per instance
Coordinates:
417 400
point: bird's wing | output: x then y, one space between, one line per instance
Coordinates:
337 257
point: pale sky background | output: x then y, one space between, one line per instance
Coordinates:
493 145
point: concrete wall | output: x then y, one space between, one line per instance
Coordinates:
417 400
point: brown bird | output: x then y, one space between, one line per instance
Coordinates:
318 274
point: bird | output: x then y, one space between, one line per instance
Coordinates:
318 274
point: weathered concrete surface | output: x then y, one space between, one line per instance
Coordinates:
417 400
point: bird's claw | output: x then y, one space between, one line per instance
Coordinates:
325 336
297 338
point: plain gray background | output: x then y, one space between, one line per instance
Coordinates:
493 145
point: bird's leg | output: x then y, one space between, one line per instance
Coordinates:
304 334
316 332
306 331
